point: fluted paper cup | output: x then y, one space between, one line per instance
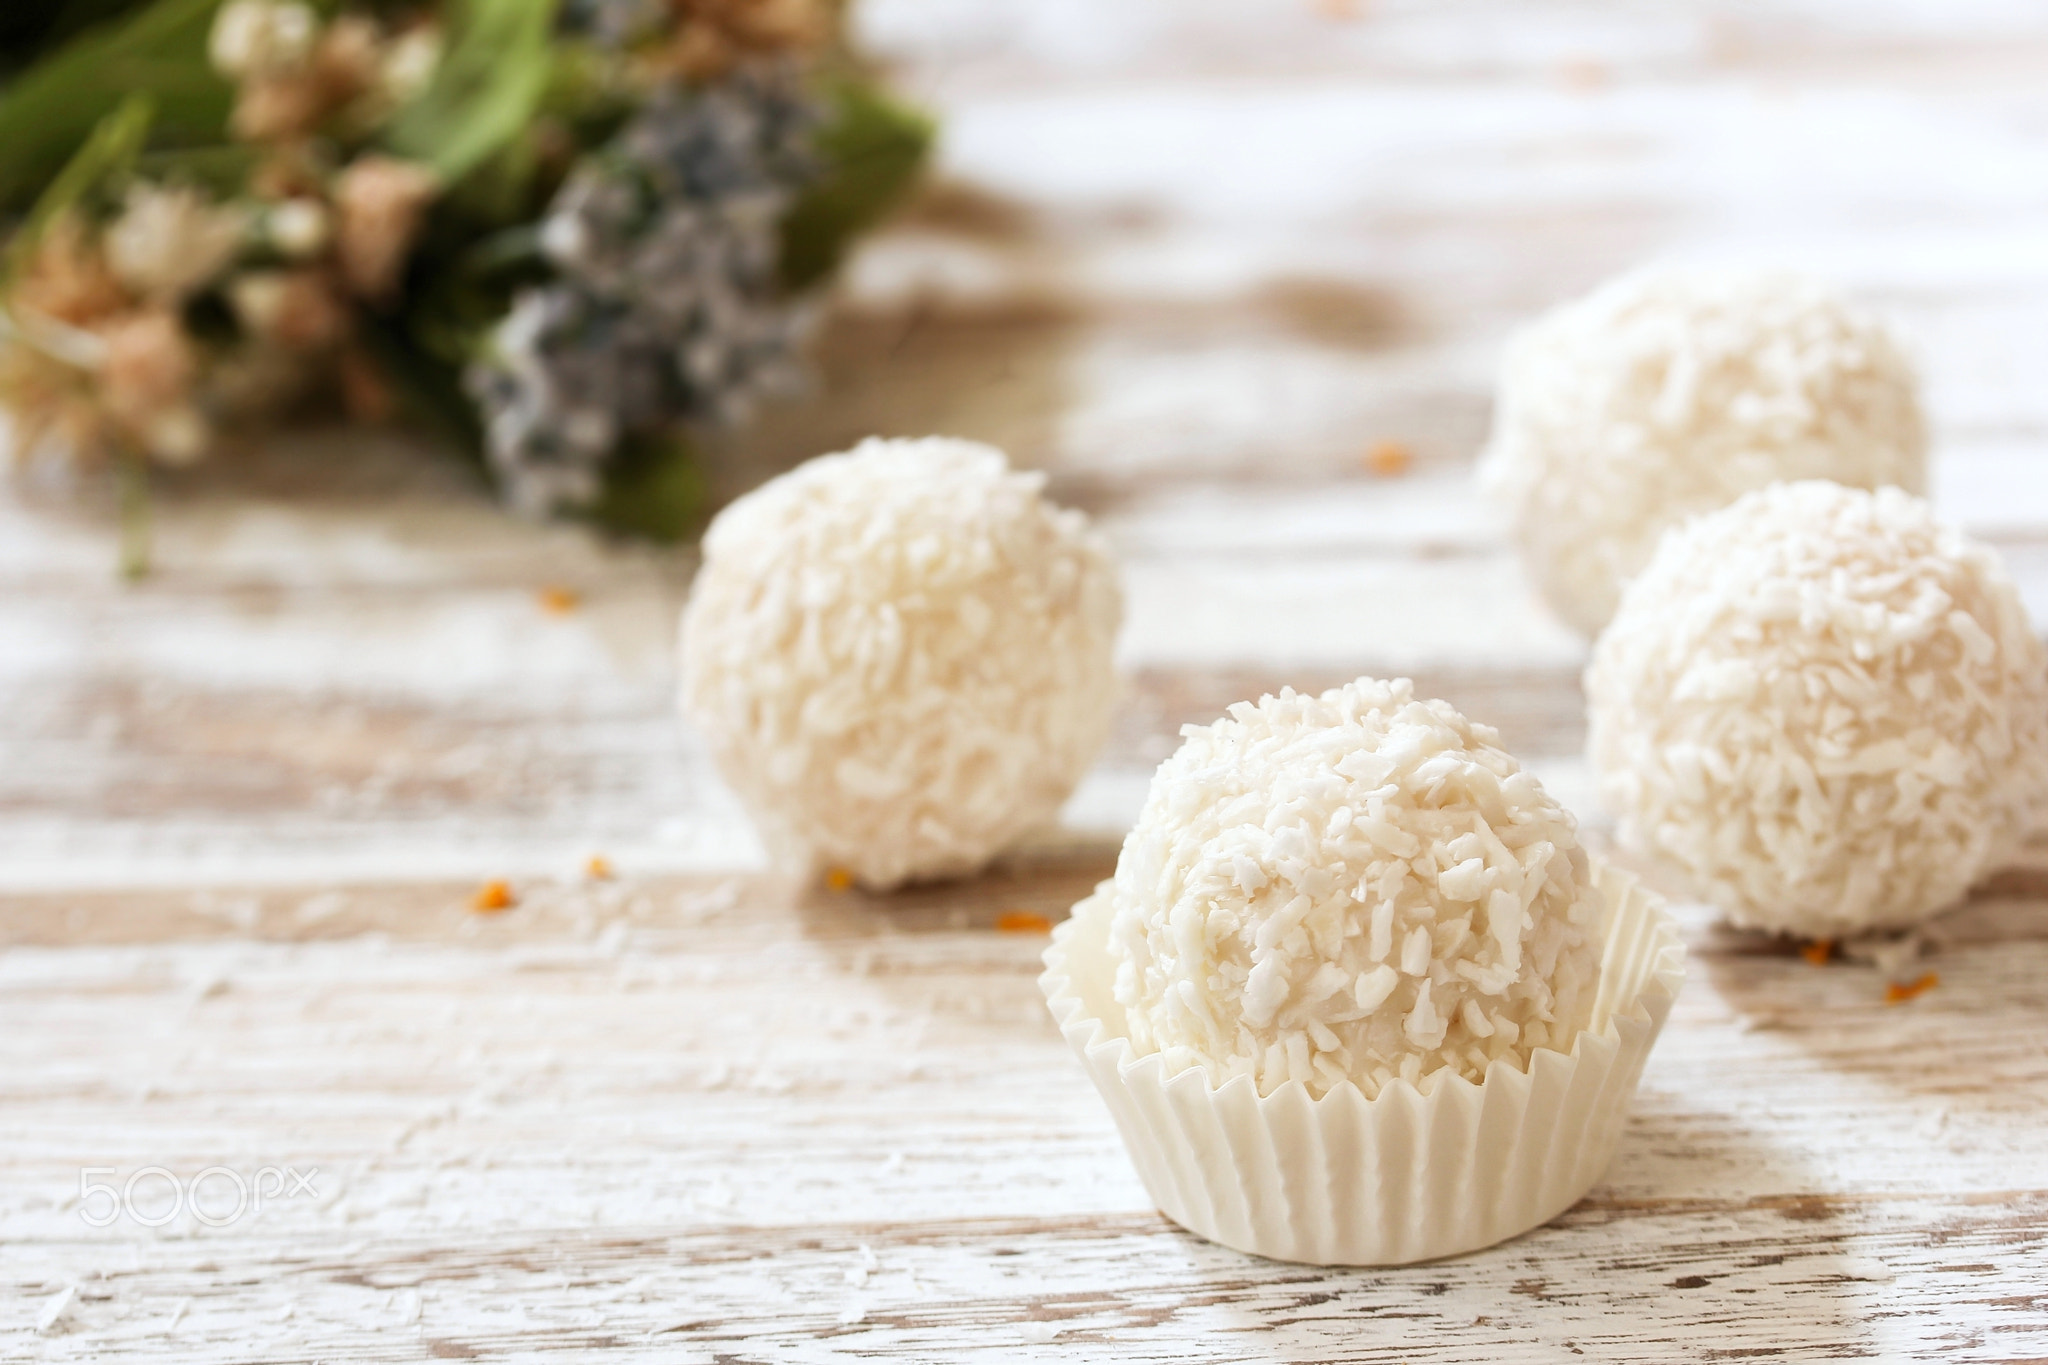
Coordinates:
1343 1180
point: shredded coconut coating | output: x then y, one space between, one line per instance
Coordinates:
1671 392
1822 709
1356 887
900 657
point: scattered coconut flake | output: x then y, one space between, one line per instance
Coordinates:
57 1312
1891 954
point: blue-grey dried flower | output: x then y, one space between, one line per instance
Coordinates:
570 373
667 308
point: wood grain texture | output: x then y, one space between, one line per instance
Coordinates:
770 1123
1192 258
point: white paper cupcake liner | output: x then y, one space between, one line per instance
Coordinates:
1343 1180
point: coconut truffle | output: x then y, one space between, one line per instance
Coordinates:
1672 392
900 657
1358 886
1822 710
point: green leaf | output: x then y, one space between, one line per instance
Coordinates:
872 150
107 153
484 94
652 488
160 52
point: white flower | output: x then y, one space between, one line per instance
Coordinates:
168 243
410 62
299 228
253 37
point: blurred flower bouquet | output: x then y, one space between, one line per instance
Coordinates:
571 233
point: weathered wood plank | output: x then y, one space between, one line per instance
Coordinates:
1760 1280
711 1094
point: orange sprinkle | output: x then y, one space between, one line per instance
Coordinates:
1896 994
1584 73
838 879
1819 951
492 897
599 868
1023 922
558 601
1388 459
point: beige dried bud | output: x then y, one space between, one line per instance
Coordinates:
291 310
380 201
280 103
146 383
68 279
169 243
44 403
349 59
712 35
149 363
277 108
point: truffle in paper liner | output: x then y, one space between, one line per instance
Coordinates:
1343 1180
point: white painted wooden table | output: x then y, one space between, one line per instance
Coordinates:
1194 258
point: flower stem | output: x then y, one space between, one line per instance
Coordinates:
133 469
